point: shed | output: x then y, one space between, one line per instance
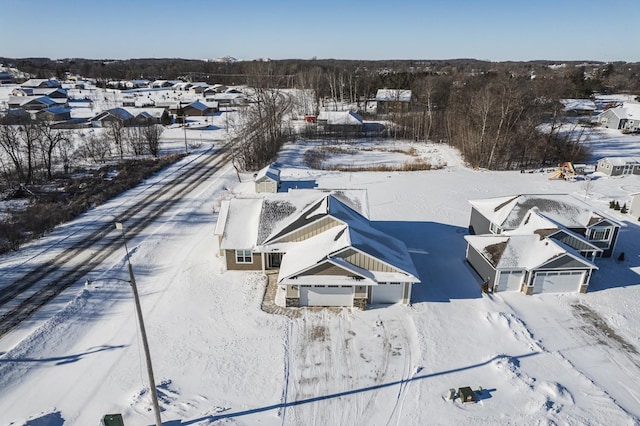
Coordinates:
268 179
466 394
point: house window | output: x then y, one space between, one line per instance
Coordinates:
244 256
495 229
599 234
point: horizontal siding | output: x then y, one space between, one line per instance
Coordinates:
232 265
481 265
479 223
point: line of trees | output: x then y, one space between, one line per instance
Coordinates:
32 151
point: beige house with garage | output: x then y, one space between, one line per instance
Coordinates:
326 251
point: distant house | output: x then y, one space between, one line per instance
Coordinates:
340 121
6 78
227 99
57 93
198 87
322 244
136 84
625 117
128 117
32 103
42 83
502 214
267 179
578 107
55 113
198 108
393 100
619 166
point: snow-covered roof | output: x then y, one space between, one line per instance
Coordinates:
340 118
390 95
520 251
271 172
509 212
242 224
628 110
327 246
578 104
620 161
203 106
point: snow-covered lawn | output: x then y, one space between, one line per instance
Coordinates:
219 359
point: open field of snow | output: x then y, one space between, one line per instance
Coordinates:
219 359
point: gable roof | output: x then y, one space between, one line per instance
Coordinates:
626 111
390 95
521 251
340 118
327 246
620 161
341 205
509 212
538 224
270 172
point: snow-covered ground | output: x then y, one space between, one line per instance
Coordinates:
219 359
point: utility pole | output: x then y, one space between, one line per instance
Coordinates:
143 333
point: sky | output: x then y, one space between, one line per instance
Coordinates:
496 30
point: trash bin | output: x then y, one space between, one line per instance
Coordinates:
112 420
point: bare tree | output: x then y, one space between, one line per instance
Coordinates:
135 139
11 144
50 140
152 135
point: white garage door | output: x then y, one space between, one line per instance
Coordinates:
510 280
387 293
557 282
326 296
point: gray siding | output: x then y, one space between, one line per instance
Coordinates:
481 265
609 119
478 223
634 210
563 262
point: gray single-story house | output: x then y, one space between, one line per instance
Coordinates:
501 214
619 166
625 117
528 263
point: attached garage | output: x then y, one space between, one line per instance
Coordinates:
386 293
557 282
510 280
320 295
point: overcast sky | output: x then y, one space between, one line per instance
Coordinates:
496 30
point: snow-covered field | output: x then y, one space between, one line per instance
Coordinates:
219 359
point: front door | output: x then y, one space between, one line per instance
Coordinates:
274 260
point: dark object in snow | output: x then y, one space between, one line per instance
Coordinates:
451 395
621 257
113 420
466 394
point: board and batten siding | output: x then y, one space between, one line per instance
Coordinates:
481 265
326 269
310 230
478 224
232 265
366 262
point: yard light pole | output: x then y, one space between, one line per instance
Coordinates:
145 343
